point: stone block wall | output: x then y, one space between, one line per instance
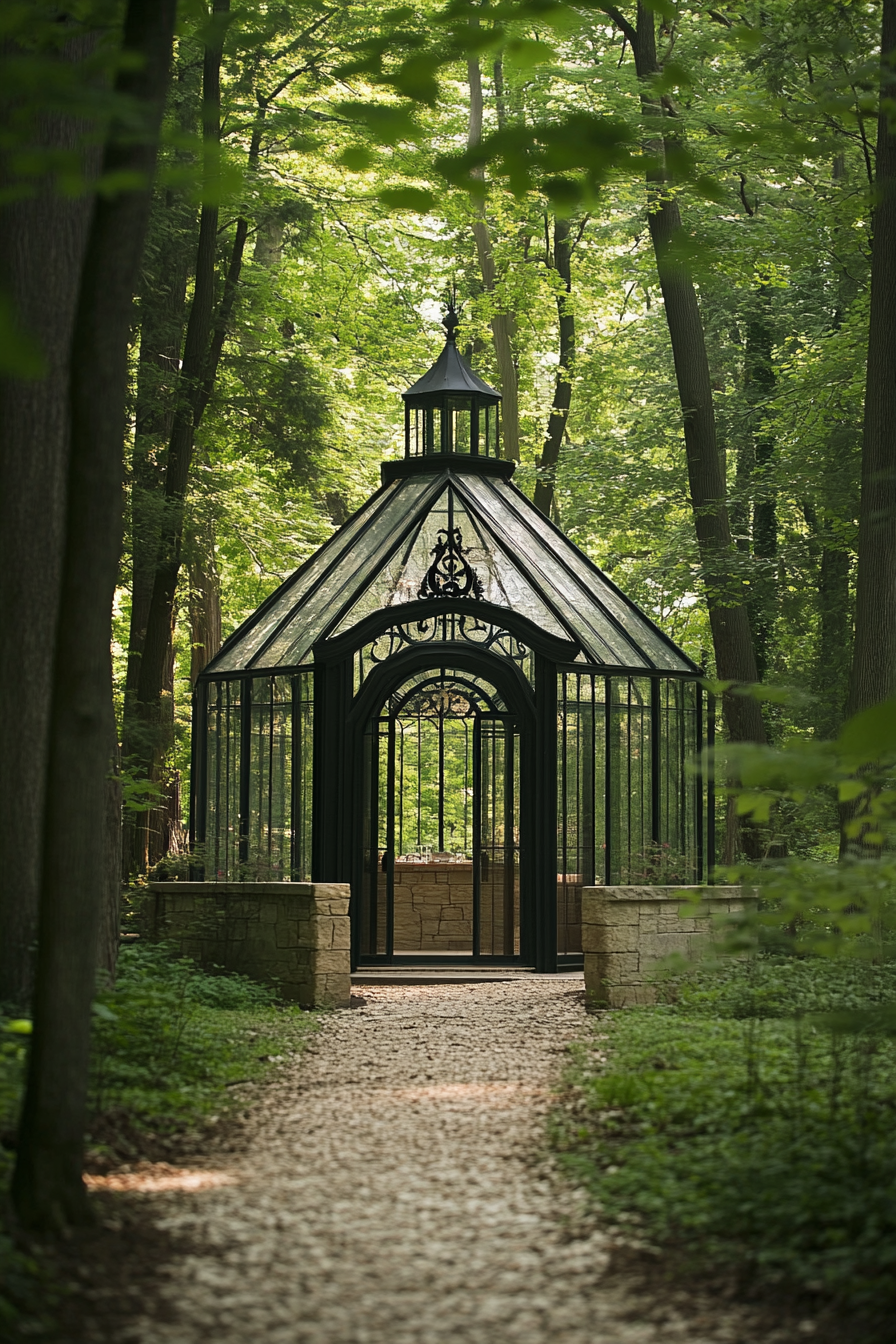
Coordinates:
293 934
628 931
434 907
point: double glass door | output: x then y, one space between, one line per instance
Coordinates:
441 824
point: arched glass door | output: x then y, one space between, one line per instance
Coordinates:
441 819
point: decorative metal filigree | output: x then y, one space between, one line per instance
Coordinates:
448 626
450 574
445 702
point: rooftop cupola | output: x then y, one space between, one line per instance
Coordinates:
450 409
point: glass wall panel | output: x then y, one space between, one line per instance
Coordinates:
221 855
268 847
303 777
258 806
631 805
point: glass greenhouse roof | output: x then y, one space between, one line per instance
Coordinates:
450 529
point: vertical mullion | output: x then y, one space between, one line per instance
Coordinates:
698 779
390 839
656 820
245 761
270 775
441 781
509 853
608 782
477 831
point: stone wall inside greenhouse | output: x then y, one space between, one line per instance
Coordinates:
294 935
627 932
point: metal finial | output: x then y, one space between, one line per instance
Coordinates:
451 320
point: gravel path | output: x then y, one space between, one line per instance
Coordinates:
393 1189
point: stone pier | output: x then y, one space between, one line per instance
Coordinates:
628 931
294 935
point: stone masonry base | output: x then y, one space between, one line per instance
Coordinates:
627 931
292 934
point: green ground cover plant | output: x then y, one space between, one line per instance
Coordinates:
170 1043
741 1124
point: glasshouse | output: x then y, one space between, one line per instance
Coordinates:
450 708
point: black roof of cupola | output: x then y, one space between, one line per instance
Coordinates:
451 409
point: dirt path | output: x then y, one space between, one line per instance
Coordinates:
392 1189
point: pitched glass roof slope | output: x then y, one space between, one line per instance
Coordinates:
455 521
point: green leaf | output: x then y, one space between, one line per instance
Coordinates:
356 158
525 53
848 789
871 734
385 121
21 1026
407 198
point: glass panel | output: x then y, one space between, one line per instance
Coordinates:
425 565
459 424
269 828
630 809
222 849
557 566
373 903
296 588
499 891
302 784
344 581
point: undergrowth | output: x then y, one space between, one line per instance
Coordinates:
170 1045
741 1125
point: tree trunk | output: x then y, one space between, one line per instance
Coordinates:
874 656
109 935
760 379
729 622
834 642
151 716
550 453
42 240
205 602
47 1187
502 324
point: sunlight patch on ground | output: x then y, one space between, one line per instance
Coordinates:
152 1177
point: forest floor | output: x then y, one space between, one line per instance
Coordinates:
393 1185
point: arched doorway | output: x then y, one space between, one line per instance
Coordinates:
444 821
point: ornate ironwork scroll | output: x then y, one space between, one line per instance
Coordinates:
448 626
450 574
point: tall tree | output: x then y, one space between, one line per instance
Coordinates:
502 322
42 238
728 614
874 657
48 1189
559 258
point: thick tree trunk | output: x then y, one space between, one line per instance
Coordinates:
47 1187
502 324
550 453
42 240
874 657
729 622
163 313
205 602
834 642
760 378
150 718
109 935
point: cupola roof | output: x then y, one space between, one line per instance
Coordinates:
451 374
